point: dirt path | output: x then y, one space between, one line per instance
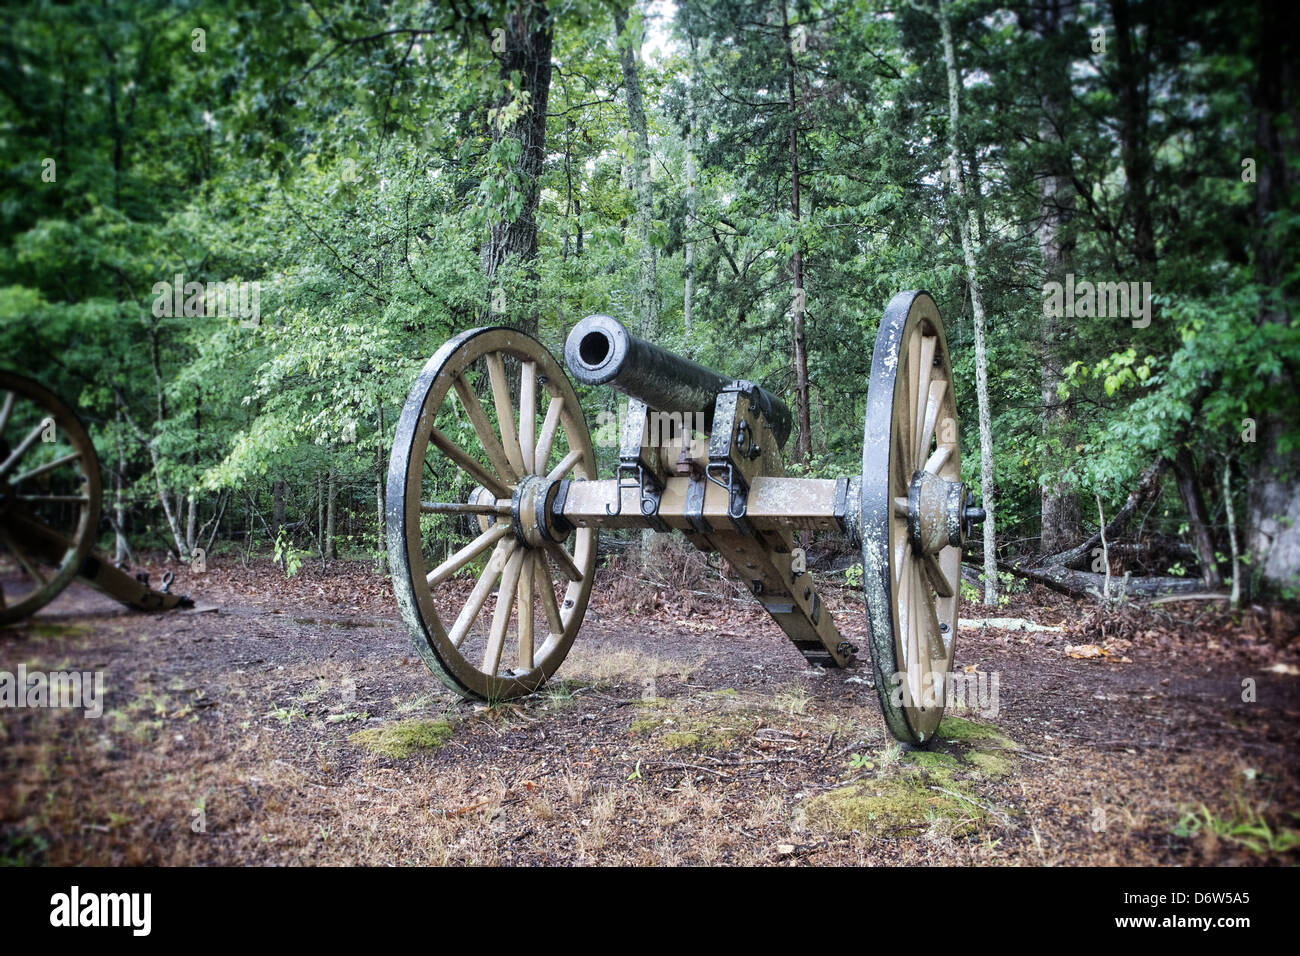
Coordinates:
681 730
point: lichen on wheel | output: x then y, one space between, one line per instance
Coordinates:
491 430
914 516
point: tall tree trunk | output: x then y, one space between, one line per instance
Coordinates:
121 550
1273 510
1133 79
191 527
803 445
641 175
1059 509
332 490
528 38
277 507
381 526
1189 487
962 215
688 278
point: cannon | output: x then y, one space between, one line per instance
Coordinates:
50 506
492 436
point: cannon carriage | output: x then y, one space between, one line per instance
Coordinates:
492 433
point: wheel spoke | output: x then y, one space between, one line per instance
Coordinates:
528 415
546 584
5 411
902 597
524 609
900 507
463 508
921 393
936 461
482 588
933 644
547 436
505 411
909 415
483 428
48 466
933 404
903 552
501 616
82 499
933 571
468 464
28 564
467 554
21 450
565 466
914 672
565 561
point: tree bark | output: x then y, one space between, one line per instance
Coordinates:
332 487
1132 77
1273 511
277 507
962 215
803 444
1194 503
528 38
642 180
121 550
1059 509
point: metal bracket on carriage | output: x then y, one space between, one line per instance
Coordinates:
637 456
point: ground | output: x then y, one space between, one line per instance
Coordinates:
290 721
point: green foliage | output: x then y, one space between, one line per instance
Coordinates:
346 157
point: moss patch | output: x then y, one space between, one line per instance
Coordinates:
959 728
46 630
930 760
884 806
644 726
683 731
682 740
404 738
990 764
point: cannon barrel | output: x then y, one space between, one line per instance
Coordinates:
600 351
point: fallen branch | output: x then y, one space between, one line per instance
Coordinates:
674 765
1147 488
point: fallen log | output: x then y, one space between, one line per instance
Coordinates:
1086 584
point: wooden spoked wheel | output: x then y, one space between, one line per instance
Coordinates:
489 433
912 516
49 496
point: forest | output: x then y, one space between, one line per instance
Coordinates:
234 232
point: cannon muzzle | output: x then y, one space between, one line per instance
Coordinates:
600 351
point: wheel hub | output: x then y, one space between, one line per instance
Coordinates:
532 512
936 512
